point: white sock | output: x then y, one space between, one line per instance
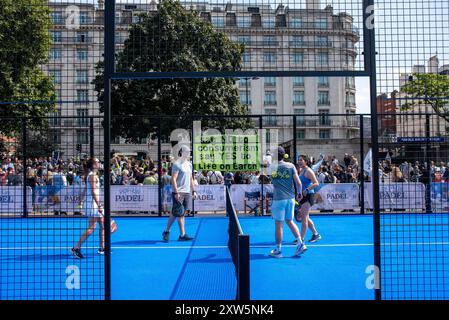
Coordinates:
279 247
299 240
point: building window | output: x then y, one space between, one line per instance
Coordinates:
323 82
271 119
218 21
56 17
325 134
300 134
322 41
300 119
350 82
84 17
82 117
295 23
270 81
245 39
243 82
269 57
82 136
350 99
324 118
117 18
82 54
269 41
56 36
244 21
297 41
56 75
245 97
298 81
136 18
299 98
55 136
323 59
55 54
323 98
82 96
269 22
246 58
81 37
321 23
82 76
55 118
298 58
270 98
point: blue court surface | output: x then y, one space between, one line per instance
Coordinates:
36 264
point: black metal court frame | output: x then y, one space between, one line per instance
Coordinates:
110 75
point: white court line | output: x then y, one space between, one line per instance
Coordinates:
225 247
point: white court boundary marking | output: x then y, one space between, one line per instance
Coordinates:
342 245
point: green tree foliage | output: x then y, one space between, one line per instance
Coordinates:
431 89
173 39
24 47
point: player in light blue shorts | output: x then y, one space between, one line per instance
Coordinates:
284 176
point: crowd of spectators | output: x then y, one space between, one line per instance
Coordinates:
133 171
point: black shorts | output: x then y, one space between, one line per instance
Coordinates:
310 198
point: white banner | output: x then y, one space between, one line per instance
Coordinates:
134 198
211 197
240 191
11 200
337 196
397 196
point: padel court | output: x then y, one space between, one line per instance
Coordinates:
145 267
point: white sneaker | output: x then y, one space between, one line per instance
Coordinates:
300 249
275 253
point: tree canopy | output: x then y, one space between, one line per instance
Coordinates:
24 48
173 39
431 89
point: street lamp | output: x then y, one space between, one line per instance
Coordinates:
247 89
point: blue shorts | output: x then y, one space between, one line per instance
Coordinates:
282 210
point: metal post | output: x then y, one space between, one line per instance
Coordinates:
109 63
295 132
362 168
24 166
243 271
370 63
91 138
261 180
159 160
428 179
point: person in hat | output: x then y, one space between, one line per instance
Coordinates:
285 178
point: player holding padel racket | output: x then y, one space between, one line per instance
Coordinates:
309 183
183 189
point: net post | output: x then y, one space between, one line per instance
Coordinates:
243 269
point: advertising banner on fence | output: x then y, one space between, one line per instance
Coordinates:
397 196
211 197
60 198
134 198
439 195
337 196
11 200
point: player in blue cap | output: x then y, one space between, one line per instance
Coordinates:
285 177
